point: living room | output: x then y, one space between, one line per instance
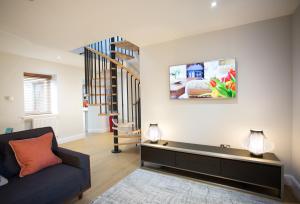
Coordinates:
233 140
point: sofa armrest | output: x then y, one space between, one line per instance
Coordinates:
78 160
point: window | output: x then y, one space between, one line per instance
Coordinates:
38 94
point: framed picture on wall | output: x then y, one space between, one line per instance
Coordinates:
209 79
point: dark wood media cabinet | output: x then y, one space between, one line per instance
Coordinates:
228 164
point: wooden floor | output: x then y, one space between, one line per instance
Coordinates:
107 168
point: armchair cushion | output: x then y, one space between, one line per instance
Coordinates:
34 154
7 155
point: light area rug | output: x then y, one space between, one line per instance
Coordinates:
145 186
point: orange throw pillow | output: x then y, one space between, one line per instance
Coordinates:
34 154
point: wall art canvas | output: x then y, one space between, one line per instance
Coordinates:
210 79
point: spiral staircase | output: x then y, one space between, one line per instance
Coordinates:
114 87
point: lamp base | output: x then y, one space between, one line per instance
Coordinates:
257 156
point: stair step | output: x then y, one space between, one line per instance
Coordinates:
128 136
127 143
108 94
122 56
108 114
107 87
135 131
102 104
102 72
126 45
103 87
102 77
131 133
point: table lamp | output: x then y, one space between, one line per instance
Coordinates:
154 134
258 143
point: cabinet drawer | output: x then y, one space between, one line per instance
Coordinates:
159 156
261 174
198 163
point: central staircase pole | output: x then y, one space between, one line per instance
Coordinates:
114 91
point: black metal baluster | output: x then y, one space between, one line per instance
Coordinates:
131 92
91 76
100 50
122 90
109 78
105 89
95 70
109 41
127 97
99 70
88 75
135 102
139 108
85 71
117 48
105 46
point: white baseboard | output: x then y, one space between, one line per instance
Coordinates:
70 138
98 130
291 181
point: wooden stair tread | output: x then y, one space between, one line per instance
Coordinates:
126 45
103 72
107 87
135 131
103 104
122 55
127 143
108 94
102 77
128 136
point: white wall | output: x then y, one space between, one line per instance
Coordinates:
296 95
263 54
69 82
97 123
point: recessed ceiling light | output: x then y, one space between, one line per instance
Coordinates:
213 4
58 57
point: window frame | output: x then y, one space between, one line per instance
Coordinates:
39 76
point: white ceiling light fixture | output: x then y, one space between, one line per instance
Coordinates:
213 4
58 57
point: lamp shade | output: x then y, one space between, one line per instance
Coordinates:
153 133
258 144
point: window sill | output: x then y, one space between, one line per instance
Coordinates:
30 117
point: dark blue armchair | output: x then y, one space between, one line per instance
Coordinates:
55 184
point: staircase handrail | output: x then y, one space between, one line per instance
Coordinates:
119 65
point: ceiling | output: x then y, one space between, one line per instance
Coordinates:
63 25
